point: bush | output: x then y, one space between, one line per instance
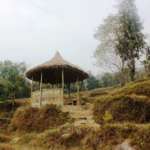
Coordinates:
12 81
30 119
130 103
122 108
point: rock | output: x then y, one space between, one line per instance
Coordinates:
124 146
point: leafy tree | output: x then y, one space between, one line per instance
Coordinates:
92 83
109 79
130 39
106 50
147 61
121 39
12 80
5 88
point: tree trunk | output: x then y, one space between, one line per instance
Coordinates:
13 101
131 66
41 89
122 74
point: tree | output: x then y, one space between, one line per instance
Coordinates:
105 53
109 79
5 88
91 83
12 80
147 61
130 39
120 36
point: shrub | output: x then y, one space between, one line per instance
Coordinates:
107 117
123 108
38 119
130 103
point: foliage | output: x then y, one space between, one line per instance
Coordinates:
106 49
92 83
108 80
147 61
130 39
5 88
105 80
12 80
121 38
107 117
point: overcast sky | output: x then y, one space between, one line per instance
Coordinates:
33 30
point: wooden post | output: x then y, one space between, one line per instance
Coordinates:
69 91
41 89
78 94
63 86
31 86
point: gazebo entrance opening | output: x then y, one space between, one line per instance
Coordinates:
57 73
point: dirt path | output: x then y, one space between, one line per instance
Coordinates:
82 114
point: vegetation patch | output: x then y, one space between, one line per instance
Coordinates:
30 119
64 138
82 137
131 103
99 92
141 87
122 108
6 147
4 138
9 105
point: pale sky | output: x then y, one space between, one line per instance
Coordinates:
33 30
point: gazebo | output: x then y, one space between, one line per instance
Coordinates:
57 71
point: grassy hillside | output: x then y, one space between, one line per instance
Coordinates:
128 104
122 119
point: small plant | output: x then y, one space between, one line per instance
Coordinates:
107 117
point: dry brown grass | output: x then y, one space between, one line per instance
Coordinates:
30 119
83 137
6 147
4 138
130 103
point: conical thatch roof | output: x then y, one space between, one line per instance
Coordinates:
52 71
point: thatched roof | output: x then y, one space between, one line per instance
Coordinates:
52 71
